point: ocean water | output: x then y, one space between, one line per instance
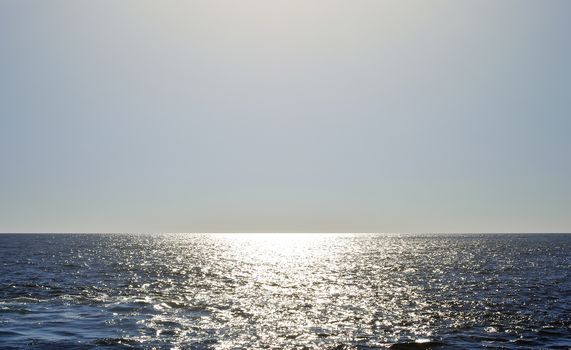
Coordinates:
285 291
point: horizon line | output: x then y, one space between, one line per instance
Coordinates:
313 232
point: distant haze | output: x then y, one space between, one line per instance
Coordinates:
285 116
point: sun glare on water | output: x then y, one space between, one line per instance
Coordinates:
285 248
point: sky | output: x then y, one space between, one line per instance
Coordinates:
285 116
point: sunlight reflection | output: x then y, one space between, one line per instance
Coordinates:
276 248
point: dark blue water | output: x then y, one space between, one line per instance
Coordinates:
339 291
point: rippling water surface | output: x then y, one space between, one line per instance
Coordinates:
282 291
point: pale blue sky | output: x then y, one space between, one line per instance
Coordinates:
285 116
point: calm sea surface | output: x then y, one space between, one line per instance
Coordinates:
253 291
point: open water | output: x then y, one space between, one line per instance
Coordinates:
285 291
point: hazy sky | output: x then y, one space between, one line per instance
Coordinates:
285 116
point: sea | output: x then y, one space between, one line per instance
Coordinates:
285 291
